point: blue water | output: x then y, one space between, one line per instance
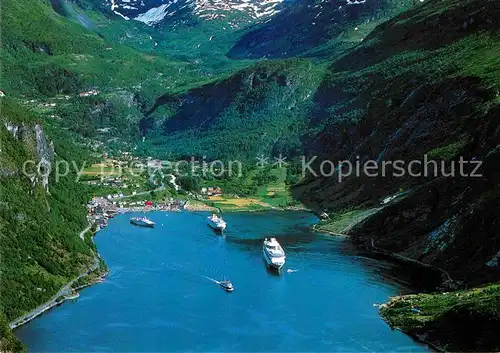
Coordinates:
158 297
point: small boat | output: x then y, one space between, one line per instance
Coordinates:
216 223
73 296
142 222
226 285
273 253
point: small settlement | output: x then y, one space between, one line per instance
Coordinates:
101 209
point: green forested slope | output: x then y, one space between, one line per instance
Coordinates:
426 81
263 109
48 54
40 248
466 320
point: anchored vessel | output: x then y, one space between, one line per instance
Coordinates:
273 253
216 223
142 222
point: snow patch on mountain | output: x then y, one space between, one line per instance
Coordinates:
115 7
154 15
153 12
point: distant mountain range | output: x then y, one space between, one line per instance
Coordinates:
311 23
350 80
267 28
159 12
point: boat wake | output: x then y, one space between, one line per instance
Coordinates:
291 271
211 279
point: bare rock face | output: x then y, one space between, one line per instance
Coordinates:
45 152
162 12
40 148
12 128
448 222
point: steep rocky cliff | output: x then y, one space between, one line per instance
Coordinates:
314 28
40 218
424 97
33 137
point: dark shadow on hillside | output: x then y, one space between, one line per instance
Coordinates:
425 27
444 120
302 27
198 108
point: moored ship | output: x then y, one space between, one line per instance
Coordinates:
142 222
273 253
217 223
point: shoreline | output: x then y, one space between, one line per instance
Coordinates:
200 206
39 310
408 261
416 338
401 258
144 210
446 281
56 299
319 230
99 279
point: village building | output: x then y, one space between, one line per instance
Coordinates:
92 92
211 191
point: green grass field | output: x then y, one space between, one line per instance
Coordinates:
340 223
465 319
274 195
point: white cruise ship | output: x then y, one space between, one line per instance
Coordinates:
142 222
273 253
216 223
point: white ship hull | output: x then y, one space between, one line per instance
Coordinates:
141 223
217 225
273 254
274 262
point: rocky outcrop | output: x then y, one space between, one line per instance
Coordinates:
444 220
438 124
33 138
45 153
309 24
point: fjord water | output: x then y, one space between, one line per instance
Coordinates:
159 296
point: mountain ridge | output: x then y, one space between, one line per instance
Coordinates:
424 82
170 12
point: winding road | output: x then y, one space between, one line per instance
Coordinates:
84 231
66 290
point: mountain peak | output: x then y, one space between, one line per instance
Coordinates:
154 12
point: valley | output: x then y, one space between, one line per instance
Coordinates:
103 83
